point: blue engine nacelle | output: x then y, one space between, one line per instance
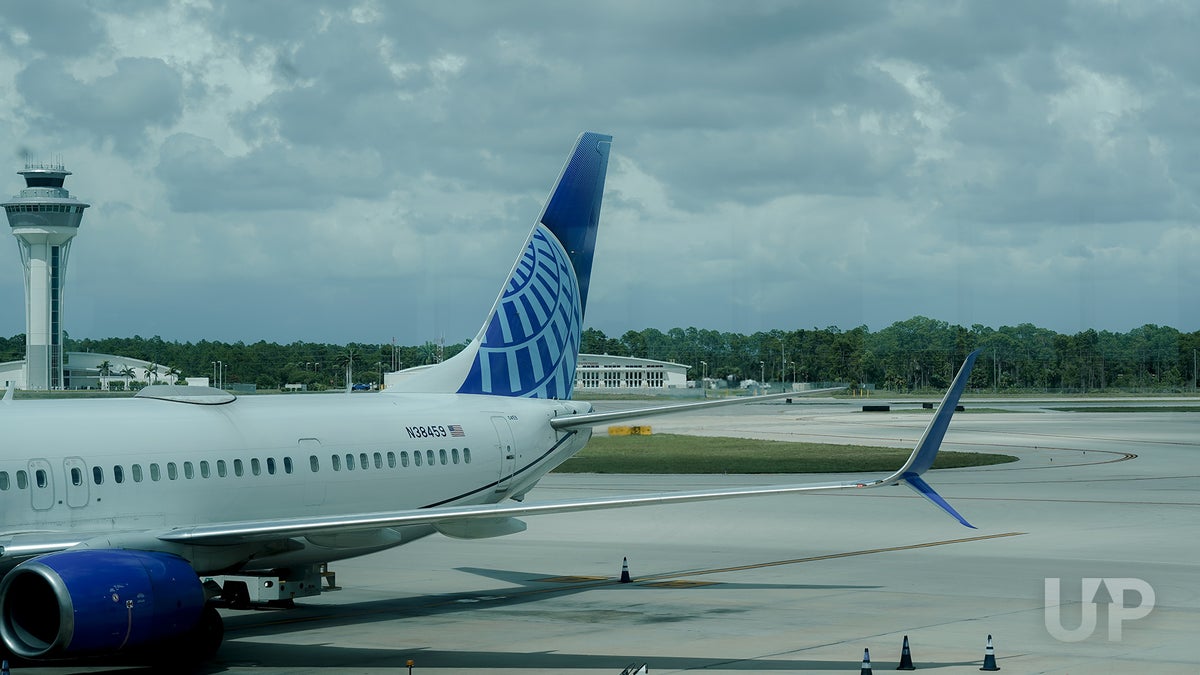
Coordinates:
97 602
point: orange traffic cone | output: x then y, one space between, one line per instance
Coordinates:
905 657
989 657
866 664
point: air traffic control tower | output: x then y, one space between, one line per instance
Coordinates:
44 219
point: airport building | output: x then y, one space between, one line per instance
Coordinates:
626 374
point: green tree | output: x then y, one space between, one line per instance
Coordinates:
106 370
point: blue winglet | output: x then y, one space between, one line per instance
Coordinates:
922 488
932 440
926 452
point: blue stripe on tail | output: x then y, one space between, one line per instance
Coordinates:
573 210
530 344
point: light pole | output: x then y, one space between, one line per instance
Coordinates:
762 375
214 378
704 378
220 373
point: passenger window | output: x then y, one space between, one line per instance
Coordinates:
204 473
336 461
255 466
429 457
3 480
349 462
172 471
417 457
404 458
442 455
287 464
76 476
314 463
362 461
22 480
238 468
466 455
454 455
221 470
137 473
378 461
155 473
271 465
97 476
188 472
391 460
118 474
40 476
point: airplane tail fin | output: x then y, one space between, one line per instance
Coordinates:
529 345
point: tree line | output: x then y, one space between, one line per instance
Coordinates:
268 365
923 353
916 354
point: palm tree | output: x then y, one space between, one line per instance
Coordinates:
348 358
127 372
173 374
105 372
152 373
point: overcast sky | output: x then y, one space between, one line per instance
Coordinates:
333 171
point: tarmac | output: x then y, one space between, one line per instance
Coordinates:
800 583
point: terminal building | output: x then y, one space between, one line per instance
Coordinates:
626 374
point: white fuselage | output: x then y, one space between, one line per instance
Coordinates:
98 469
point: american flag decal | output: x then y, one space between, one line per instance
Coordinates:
456 431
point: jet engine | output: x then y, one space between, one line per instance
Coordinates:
103 601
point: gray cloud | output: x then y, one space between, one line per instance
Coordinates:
775 164
200 177
115 108
58 28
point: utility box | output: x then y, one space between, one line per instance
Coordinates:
240 590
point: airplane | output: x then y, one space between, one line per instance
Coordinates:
116 542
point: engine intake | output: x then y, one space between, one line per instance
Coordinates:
97 602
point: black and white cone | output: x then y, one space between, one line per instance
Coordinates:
866 665
905 657
625 571
989 657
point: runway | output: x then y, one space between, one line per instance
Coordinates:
799 583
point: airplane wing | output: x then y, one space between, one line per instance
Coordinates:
909 474
593 419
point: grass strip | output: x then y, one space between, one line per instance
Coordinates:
672 453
